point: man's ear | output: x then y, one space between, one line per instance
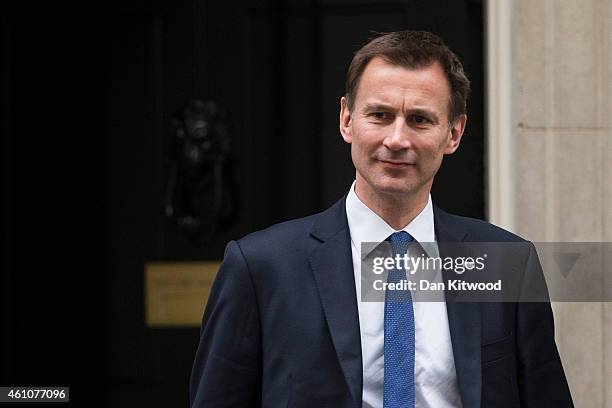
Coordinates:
456 132
345 121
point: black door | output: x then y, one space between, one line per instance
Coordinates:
89 96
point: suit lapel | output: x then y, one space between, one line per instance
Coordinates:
463 320
332 266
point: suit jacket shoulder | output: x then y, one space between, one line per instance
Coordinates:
472 229
295 237
273 239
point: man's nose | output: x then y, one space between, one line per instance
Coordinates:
399 136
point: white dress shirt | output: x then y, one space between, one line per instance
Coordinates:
434 369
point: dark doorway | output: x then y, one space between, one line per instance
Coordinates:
88 97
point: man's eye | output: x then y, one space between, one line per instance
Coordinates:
380 115
420 120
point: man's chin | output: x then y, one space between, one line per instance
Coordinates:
395 189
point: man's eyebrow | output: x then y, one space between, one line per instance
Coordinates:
376 106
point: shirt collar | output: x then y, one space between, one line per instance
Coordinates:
367 226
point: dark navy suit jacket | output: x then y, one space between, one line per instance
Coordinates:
281 326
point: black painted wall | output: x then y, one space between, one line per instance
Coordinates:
87 97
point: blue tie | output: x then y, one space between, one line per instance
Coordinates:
399 335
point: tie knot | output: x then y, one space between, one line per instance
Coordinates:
400 241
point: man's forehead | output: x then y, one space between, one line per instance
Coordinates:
381 68
383 79
385 83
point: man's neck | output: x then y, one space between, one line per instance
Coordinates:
396 210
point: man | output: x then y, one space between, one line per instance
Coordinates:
285 325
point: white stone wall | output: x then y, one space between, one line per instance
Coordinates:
561 135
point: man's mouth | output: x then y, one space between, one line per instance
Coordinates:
396 163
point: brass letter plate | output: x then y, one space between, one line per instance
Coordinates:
176 292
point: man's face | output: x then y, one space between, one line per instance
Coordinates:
399 128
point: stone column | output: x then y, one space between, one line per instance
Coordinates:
559 138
